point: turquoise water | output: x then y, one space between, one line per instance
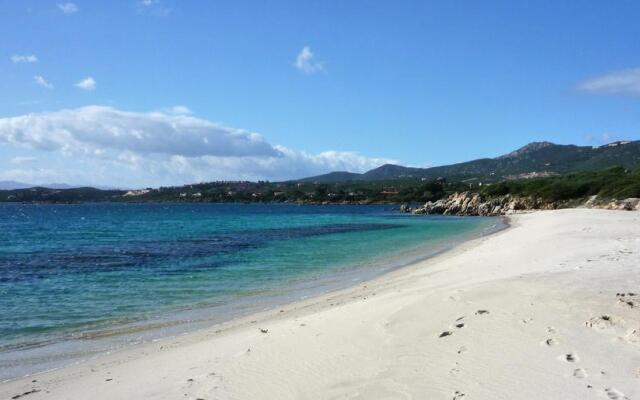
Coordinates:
80 279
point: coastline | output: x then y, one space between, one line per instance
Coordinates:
29 358
386 338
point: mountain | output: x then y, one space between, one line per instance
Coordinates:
534 159
337 176
10 185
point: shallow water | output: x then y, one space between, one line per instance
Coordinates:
80 279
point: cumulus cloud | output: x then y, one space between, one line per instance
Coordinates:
68 8
164 148
87 83
305 61
38 79
17 58
292 164
93 128
618 82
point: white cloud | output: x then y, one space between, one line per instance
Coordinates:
618 82
68 8
163 148
36 175
22 160
31 58
305 61
153 7
42 82
180 110
89 128
87 83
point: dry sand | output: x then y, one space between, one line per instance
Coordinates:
533 312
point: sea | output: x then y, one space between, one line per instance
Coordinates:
80 280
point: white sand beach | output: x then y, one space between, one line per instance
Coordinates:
547 309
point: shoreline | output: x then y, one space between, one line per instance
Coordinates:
298 351
70 351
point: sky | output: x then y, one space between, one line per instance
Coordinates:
137 93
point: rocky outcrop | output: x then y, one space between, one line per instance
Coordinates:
629 204
468 203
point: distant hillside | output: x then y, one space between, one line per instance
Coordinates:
534 159
337 176
564 170
11 185
50 195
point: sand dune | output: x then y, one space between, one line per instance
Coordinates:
548 309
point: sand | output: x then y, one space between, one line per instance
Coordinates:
536 311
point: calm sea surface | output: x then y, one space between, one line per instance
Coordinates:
76 280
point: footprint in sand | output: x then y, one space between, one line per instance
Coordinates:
615 394
631 304
580 373
626 301
632 336
551 329
571 357
602 322
551 342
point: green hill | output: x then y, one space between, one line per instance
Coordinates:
536 159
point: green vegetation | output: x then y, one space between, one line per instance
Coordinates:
541 170
534 159
45 195
614 183
356 192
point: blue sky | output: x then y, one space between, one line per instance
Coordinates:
137 93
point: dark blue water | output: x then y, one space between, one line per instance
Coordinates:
93 270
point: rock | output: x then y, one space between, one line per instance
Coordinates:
631 204
420 210
468 203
